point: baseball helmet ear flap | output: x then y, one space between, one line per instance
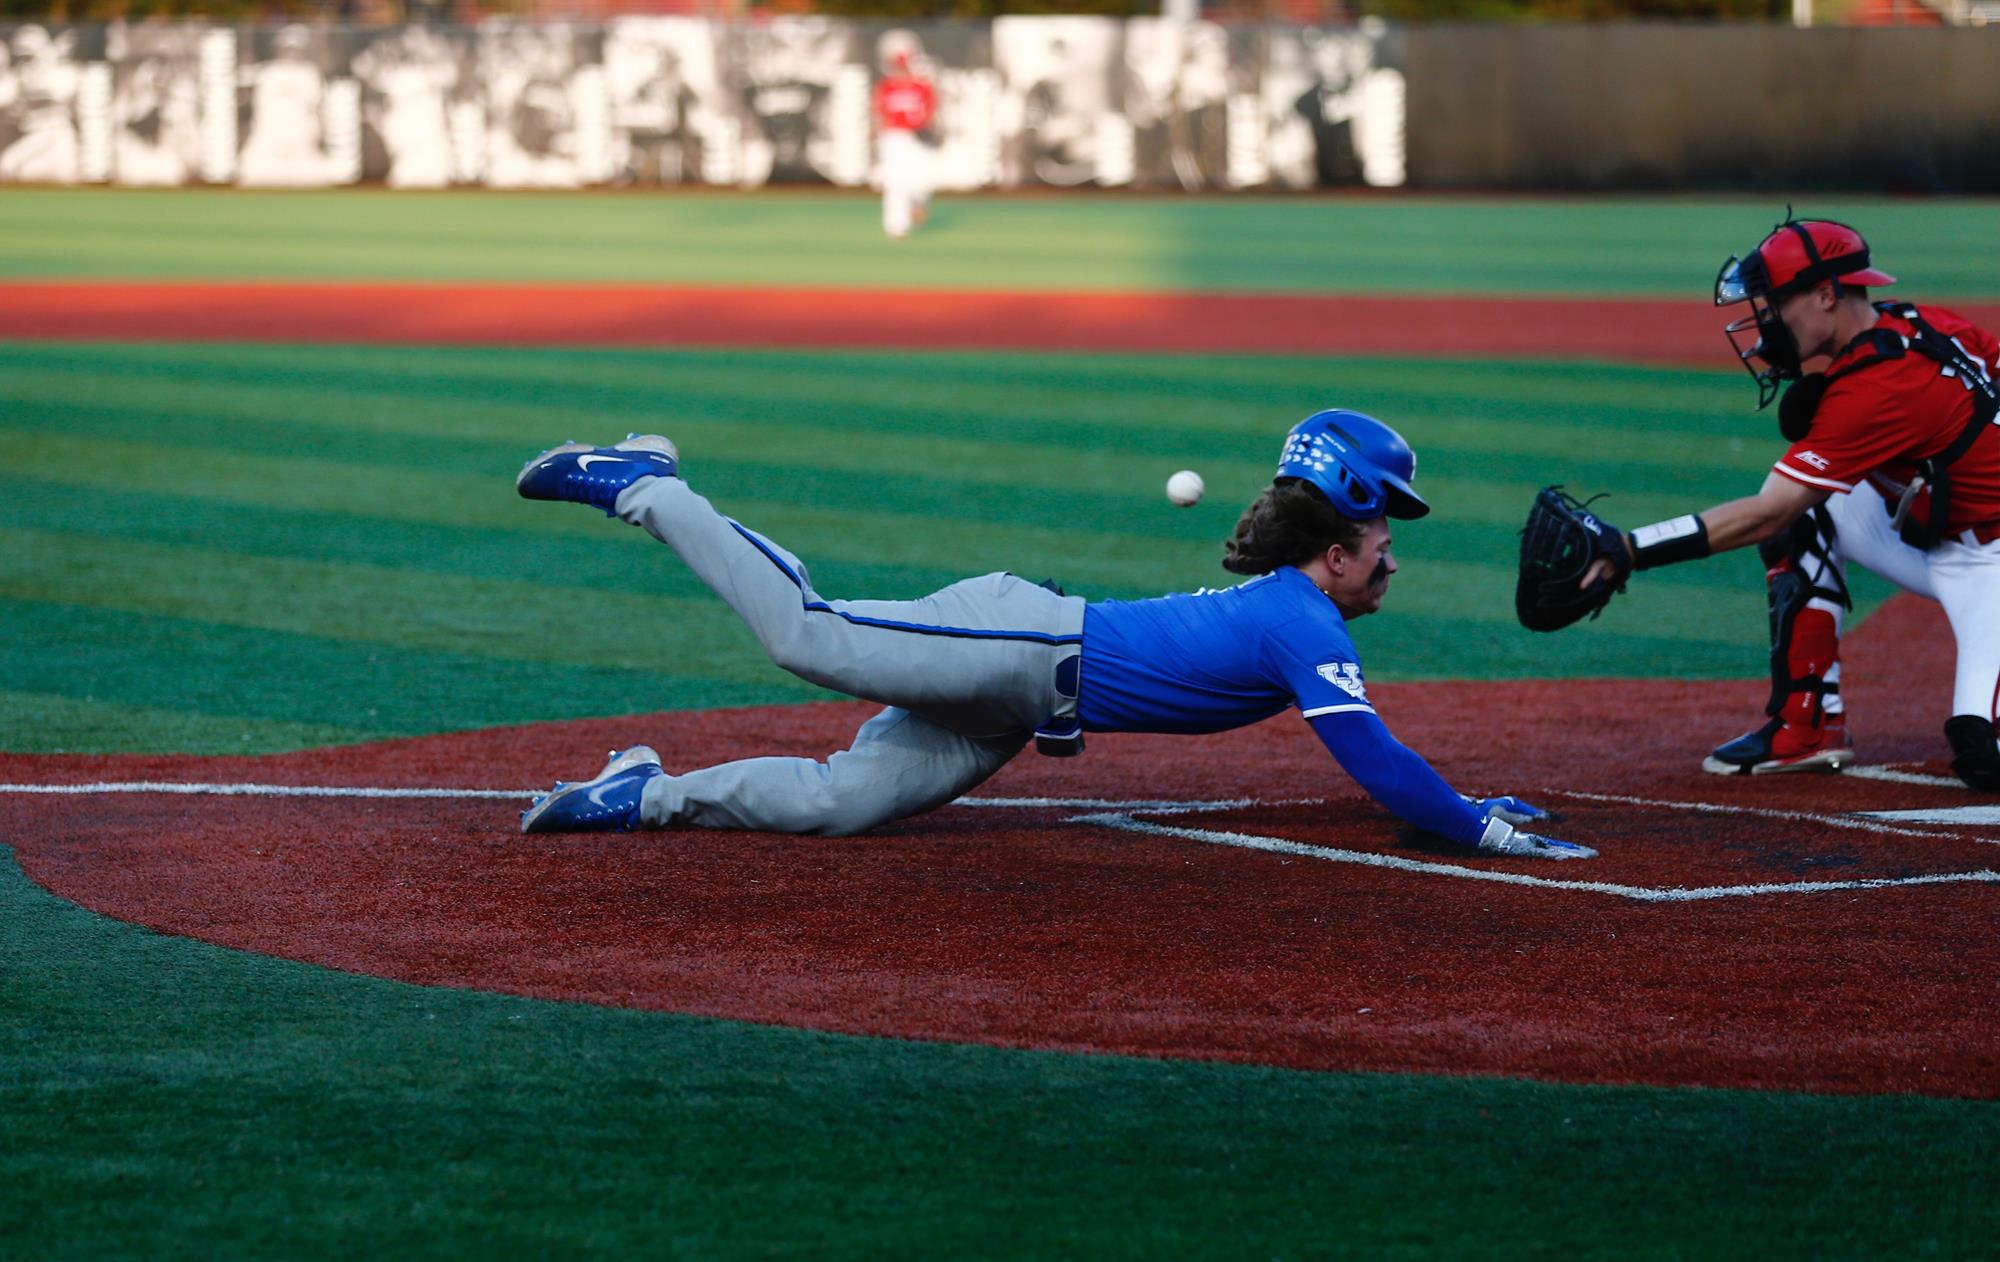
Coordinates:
1363 467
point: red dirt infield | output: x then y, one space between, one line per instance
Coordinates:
1343 944
1637 330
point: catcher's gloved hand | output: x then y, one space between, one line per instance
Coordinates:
1510 808
1558 546
1503 838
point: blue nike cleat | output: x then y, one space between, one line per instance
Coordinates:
609 802
583 474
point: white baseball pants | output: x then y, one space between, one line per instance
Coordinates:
906 179
1961 575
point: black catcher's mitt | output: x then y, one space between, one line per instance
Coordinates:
1558 545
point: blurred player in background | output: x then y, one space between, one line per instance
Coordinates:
905 102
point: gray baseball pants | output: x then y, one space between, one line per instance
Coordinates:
967 673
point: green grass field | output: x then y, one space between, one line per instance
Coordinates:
215 548
1596 246
197 538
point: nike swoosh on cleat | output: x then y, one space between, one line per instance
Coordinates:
595 800
583 462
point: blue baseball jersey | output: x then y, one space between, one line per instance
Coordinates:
1213 660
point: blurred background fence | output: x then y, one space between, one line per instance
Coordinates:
1025 101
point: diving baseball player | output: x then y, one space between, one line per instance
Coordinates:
971 673
1894 462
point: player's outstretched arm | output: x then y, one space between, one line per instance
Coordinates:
1735 524
1755 518
1399 778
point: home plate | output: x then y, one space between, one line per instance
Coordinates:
1965 815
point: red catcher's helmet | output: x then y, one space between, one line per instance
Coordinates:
1797 255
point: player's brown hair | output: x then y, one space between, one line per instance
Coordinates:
1289 524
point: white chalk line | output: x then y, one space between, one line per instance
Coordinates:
1638 893
262 790
1121 815
1871 824
1151 806
1893 776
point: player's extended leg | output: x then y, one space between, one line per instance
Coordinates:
920 182
1806 727
900 764
1967 580
898 196
968 672
981 656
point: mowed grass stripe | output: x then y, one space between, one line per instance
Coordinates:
841 446
1408 244
261 518
519 618
1105 559
1159 402
516 621
1113 446
608 558
65 724
188 685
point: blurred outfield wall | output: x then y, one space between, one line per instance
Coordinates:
1060 101
1657 106
1024 101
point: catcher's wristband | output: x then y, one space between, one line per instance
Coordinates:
1665 542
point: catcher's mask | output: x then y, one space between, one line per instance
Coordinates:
1361 465
1797 255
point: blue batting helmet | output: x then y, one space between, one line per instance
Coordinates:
1361 465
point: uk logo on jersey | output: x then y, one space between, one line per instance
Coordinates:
1345 676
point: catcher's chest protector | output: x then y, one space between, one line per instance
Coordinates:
1934 472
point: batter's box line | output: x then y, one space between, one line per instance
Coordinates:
1862 821
1638 893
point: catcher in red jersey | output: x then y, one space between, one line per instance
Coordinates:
1894 463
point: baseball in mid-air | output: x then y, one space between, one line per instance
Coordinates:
1185 488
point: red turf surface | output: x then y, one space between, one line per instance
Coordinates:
1016 927
1672 332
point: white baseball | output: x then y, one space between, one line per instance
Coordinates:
1185 488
